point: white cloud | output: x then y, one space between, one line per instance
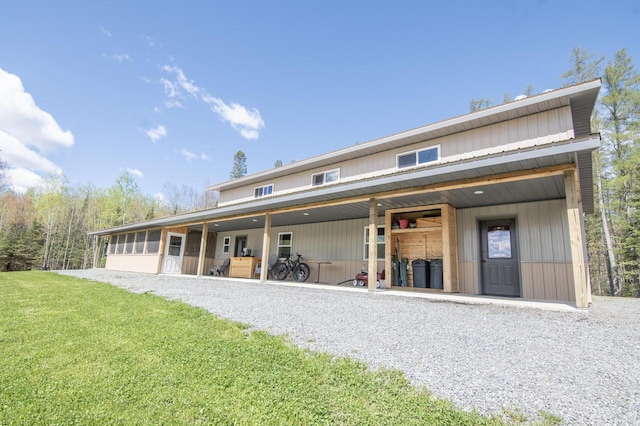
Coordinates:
160 197
134 172
121 58
188 155
22 179
16 154
248 122
157 133
27 134
105 32
21 118
182 80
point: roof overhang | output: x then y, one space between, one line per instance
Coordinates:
344 201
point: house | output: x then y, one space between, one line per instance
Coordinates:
494 200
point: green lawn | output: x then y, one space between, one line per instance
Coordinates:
81 352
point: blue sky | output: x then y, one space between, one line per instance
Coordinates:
171 90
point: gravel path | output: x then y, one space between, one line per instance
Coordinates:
583 366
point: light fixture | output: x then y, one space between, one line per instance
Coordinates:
215 224
478 192
254 220
305 213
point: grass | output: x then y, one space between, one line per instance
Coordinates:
75 351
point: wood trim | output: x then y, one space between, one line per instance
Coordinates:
266 243
575 236
203 248
372 268
163 237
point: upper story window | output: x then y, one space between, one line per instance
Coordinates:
325 177
263 191
419 157
226 245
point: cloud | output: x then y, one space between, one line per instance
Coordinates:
188 155
157 133
105 32
247 121
27 134
134 172
21 118
122 58
22 179
182 80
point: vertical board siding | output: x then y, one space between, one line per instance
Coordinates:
524 132
543 239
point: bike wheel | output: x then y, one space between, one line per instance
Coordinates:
301 272
280 271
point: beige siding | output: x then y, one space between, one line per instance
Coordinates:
526 132
340 242
147 263
543 243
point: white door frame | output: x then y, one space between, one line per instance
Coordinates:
172 264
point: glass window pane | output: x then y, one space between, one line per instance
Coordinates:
318 179
175 242
428 155
153 241
499 238
139 247
407 160
332 176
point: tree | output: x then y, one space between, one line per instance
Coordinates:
4 178
585 66
278 163
239 165
479 104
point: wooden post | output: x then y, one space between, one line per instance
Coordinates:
163 237
575 236
96 254
372 269
203 248
266 242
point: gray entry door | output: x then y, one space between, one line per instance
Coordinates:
499 257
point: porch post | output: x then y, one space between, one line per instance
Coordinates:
372 269
575 236
266 243
96 252
203 248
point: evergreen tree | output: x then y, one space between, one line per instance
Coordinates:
239 165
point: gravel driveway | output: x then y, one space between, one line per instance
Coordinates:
583 366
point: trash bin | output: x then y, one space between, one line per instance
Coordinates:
436 273
420 273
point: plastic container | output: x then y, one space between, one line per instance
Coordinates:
436 274
404 223
421 273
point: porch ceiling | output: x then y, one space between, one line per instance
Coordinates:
546 188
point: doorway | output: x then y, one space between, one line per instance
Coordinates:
500 272
241 243
172 263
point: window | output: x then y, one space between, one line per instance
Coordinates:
415 158
379 241
120 246
226 245
128 247
112 246
263 191
325 177
139 245
285 242
153 241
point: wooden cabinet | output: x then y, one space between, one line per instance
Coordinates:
433 237
243 267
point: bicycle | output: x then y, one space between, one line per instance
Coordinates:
299 270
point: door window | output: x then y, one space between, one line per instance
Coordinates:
175 243
499 238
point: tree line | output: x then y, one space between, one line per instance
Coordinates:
47 226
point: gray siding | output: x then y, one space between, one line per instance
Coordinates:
543 243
